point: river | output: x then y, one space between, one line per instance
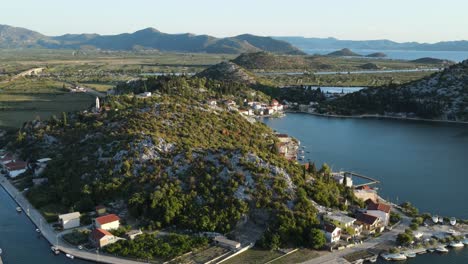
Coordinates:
421 162
19 240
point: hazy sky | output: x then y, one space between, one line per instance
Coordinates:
400 20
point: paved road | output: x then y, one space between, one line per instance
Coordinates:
88 90
52 236
337 256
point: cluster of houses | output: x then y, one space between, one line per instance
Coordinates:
102 224
78 89
252 108
339 226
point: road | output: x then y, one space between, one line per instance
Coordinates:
88 90
337 256
32 71
52 236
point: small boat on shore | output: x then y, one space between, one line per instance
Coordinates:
442 249
70 256
410 254
456 244
55 250
373 259
19 210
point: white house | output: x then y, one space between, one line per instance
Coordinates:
70 220
380 210
340 177
332 233
100 237
16 168
107 222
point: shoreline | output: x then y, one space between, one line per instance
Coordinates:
50 235
369 116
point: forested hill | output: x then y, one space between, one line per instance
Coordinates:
149 38
173 160
442 95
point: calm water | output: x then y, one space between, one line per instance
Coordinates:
456 56
421 162
20 242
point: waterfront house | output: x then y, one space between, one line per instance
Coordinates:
222 241
343 178
268 111
70 220
107 222
332 233
380 210
132 234
100 210
100 237
16 168
369 222
340 219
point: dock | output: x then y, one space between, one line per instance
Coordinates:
1 261
371 180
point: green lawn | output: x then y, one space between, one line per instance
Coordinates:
31 98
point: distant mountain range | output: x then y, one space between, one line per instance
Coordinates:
333 43
149 38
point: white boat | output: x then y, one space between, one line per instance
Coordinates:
55 250
441 220
410 254
442 249
397 256
431 250
453 221
373 259
70 256
456 244
435 219
1 251
18 209
418 235
38 230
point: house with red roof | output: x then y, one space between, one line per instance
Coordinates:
16 167
369 222
101 238
107 222
380 210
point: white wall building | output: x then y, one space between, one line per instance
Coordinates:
70 220
107 222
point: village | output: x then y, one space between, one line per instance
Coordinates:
348 231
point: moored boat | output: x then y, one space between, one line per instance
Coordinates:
442 249
1 251
465 241
55 250
435 219
70 256
410 254
457 244
396 256
19 210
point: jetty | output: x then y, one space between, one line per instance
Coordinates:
371 180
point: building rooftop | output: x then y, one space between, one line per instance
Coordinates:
371 205
99 233
367 218
329 228
225 241
66 217
102 220
342 218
